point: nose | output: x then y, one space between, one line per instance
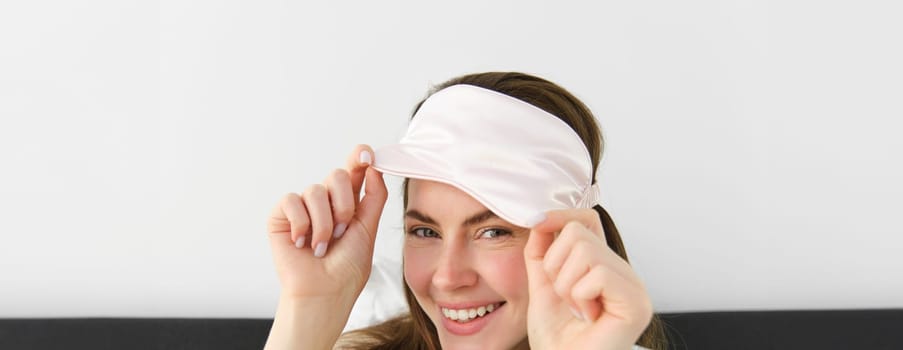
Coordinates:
454 269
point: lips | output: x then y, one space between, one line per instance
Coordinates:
469 318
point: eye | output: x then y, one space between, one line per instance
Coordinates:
494 233
423 232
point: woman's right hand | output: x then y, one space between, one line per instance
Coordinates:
322 239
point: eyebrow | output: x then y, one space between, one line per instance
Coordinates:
470 221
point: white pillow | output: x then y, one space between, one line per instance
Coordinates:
382 297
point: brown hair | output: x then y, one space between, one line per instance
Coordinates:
415 330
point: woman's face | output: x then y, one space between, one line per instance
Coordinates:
461 261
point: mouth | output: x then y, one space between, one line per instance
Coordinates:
469 314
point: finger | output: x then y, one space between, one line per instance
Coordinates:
356 165
299 219
575 231
617 264
557 219
338 184
620 310
289 217
572 233
578 264
538 244
278 221
602 290
316 199
371 206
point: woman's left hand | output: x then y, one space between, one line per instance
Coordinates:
582 294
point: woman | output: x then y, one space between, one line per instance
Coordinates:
506 246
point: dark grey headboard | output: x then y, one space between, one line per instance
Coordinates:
753 330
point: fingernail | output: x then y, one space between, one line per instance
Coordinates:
536 219
365 157
339 230
321 250
299 242
577 314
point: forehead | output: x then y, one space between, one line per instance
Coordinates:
437 197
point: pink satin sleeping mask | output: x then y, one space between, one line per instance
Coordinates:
515 158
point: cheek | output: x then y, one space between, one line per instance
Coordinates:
506 274
418 269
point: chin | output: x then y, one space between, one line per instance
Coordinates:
475 343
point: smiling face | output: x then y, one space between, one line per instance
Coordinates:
465 267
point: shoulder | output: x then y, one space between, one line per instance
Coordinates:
346 342
394 333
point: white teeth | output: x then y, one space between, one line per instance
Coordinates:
465 315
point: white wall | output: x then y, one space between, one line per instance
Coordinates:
752 161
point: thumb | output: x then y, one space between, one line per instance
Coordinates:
534 252
373 202
356 164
